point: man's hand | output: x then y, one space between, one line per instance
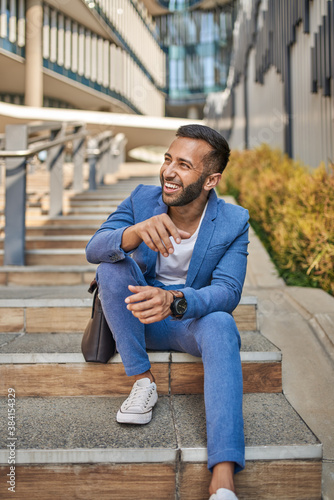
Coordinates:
149 304
155 232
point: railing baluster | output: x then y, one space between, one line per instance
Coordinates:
55 161
79 153
92 160
15 210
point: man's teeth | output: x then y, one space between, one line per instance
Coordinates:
171 186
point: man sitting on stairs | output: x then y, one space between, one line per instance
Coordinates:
172 267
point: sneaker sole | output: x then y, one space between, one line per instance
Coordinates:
134 418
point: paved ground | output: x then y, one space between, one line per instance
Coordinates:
300 321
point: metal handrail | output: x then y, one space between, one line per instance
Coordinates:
104 156
97 151
37 149
99 139
41 126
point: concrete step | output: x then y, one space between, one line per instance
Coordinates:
65 220
54 242
119 191
35 276
103 210
74 448
52 256
106 195
58 309
98 200
62 230
27 359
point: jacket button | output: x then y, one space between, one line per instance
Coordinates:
114 257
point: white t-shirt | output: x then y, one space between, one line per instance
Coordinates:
173 269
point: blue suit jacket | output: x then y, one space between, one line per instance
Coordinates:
218 265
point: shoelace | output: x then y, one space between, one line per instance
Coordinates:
136 396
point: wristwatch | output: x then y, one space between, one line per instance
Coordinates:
179 305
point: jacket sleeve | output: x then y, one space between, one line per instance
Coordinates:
224 291
105 245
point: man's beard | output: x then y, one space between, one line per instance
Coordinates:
187 195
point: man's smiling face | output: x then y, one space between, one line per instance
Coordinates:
182 174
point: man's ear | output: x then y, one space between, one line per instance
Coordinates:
211 181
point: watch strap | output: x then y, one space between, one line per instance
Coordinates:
177 294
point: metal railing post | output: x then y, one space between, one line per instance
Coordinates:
79 153
92 160
118 151
104 159
2 146
55 161
15 210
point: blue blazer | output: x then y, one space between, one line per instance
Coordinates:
218 265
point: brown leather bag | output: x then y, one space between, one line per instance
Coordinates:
98 344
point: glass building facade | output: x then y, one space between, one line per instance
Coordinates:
198 45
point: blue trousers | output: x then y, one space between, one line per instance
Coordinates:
214 337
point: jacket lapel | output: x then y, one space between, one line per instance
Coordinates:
203 239
160 208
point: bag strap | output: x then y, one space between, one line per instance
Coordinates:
92 286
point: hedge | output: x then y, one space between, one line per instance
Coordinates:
291 209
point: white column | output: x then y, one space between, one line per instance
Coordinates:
105 63
94 58
3 19
88 53
46 32
112 73
74 48
33 54
68 43
81 51
12 21
100 54
21 24
53 36
119 71
61 36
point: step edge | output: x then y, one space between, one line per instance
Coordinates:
156 455
43 269
160 357
40 358
180 357
56 251
283 452
67 302
88 455
45 303
57 227
59 218
68 237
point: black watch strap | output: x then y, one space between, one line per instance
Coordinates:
179 305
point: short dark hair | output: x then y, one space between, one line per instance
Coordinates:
217 159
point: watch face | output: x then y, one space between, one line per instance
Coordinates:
180 306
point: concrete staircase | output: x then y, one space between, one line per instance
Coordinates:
67 442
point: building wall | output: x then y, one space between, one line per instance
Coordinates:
265 108
237 137
125 63
281 81
312 113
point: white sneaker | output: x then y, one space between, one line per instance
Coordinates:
137 408
223 494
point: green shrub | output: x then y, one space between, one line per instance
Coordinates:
291 209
